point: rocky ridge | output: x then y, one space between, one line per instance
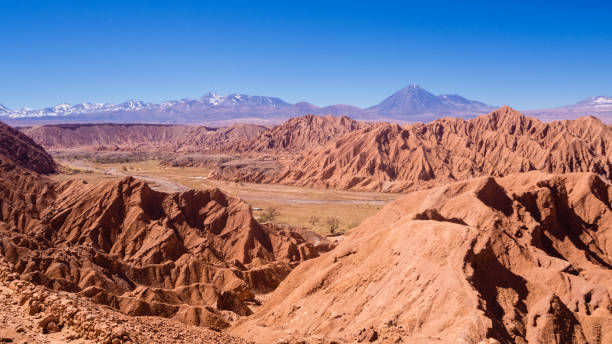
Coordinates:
292 136
300 133
394 158
141 137
196 256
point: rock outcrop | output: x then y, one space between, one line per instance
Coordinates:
189 256
30 313
522 259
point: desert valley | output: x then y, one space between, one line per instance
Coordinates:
305 172
321 229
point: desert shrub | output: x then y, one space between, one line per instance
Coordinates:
269 214
333 223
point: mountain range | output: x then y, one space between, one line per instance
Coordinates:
410 104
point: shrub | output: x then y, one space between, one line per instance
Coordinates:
333 223
269 214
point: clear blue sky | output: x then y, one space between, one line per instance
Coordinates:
501 52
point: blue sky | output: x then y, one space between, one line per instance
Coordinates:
525 54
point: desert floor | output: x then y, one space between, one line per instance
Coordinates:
296 206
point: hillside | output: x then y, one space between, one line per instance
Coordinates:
17 149
300 133
140 137
520 259
192 256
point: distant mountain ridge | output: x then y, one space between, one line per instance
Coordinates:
208 100
410 104
598 106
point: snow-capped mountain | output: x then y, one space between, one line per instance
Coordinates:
597 102
65 109
599 106
238 99
209 100
212 99
410 104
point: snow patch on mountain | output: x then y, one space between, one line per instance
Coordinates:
210 99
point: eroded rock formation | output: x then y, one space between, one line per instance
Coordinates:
196 256
392 158
142 137
525 258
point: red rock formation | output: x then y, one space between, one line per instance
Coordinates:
300 133
18 150
187 255
196 256
525 258
392 158
31 313
141 137
292 136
